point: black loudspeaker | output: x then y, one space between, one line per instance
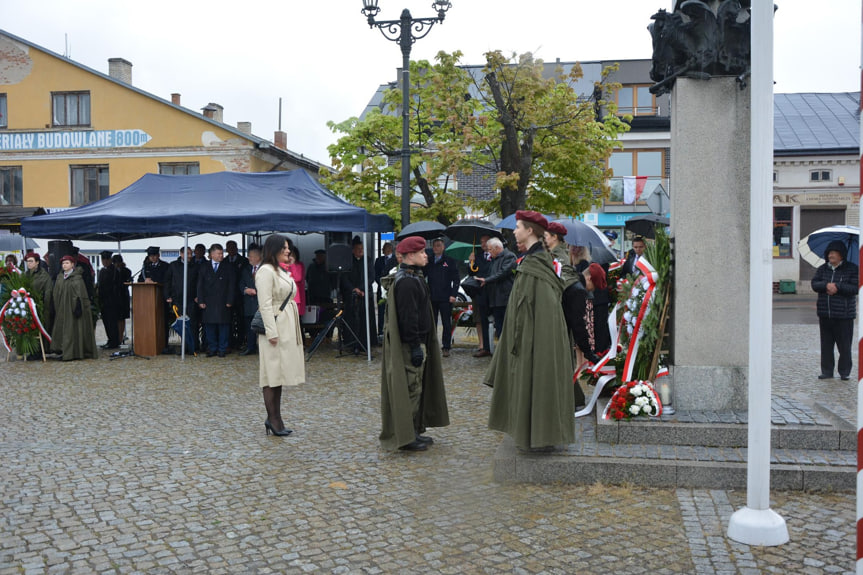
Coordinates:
339 258
56 250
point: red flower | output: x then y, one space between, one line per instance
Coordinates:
618 415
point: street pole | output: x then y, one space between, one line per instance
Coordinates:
405 42
860 367
757 524
405 31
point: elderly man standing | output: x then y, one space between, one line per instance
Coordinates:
499 281
217 284
835 281
442 275
412 391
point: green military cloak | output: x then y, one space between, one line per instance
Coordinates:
531 370
72 336
397 425
43 289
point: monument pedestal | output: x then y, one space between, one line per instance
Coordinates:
710 143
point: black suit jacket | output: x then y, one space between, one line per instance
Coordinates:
174 284
247 280
217 289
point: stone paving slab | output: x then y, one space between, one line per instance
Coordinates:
158 466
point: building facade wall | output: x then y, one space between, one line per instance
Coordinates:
166 133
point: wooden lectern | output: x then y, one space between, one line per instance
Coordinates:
148 319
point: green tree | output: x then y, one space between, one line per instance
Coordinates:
546 145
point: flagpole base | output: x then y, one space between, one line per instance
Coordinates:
757 527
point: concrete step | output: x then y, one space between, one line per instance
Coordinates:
592 460
793 426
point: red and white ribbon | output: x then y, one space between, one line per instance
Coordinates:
647 281
31 305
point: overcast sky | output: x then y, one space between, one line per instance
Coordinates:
322 59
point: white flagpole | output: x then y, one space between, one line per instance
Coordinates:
757 524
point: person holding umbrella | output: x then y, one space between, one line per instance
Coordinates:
531 371
835 282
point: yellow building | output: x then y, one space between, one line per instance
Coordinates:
70 135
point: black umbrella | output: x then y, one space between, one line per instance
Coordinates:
646 225
470 231
425 229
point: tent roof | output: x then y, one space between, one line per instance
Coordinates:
222 202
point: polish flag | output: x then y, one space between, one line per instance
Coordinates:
633 186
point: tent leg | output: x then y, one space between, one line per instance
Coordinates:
367 298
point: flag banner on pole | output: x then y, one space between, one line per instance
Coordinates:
633 186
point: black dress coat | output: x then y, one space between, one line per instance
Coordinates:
247 280
216 289
174 284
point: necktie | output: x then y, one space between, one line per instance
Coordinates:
254 270
215 266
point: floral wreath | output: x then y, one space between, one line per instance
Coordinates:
20 323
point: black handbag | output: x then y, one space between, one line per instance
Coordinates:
257 324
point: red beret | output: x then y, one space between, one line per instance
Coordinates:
556 228
67 259
533 217
33 255
411 244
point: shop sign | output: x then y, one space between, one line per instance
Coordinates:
817 199
70 140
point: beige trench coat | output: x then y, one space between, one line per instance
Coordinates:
284 363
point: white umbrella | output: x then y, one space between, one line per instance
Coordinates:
814 246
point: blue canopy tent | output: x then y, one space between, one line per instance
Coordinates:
223 202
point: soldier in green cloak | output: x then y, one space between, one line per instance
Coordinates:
412 391
531 371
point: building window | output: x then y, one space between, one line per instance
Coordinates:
71 108
650 163
782 217
775 177
11 190
180 169
820 175
636 100
89 184
3 121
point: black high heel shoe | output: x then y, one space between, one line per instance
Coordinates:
283 433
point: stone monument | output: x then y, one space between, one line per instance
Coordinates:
701 56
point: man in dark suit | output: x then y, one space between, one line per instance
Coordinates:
250 298
155 270
354 288
498 283
174 289
108 288
632 258
217 286
441 272
385 262
233 257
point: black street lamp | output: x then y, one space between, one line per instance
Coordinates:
405 31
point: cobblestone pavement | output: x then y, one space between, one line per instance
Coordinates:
162 466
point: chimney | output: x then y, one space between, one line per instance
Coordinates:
120 69
217 114
280 139
175 99
245 127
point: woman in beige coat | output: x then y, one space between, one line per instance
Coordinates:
281 348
